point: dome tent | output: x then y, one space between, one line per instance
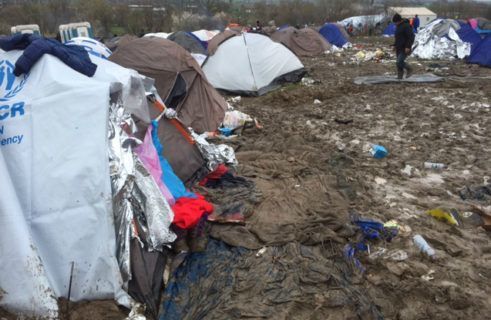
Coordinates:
252 64
481 53
219 38
183 86
390 30
332 33
303 42
188 41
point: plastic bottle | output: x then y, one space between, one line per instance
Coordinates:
434 165
421 243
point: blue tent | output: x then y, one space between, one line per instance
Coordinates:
468 34
481 53
333 35
390 30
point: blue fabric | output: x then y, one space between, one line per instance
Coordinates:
481 53
333 35
482 31
284 27
203 43
35 47
416 23
169 178
467 34
390 30
192 274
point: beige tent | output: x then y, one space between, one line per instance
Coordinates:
303 42
183 87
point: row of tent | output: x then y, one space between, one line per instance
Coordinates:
303 42
242 63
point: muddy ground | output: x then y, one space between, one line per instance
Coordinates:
311 164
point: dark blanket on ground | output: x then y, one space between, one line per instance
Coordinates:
286 282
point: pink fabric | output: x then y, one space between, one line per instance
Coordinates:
473 23
150 159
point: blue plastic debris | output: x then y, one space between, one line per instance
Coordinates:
378 152
371 230
225 131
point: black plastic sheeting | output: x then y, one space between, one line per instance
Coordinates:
292 281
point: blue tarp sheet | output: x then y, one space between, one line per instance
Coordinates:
332 34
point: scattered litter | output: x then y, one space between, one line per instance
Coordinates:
236 99
429 276
378 152
443 215
397 255
137 312
371 230
380 181
317 101
423 246
306 81
409 170
434 165
261 252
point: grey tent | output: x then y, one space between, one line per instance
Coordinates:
303 42
188 41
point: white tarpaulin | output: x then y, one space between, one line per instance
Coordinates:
55 195
249 63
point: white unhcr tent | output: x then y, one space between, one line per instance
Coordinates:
252 64
56 191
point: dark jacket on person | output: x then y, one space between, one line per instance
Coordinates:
35 47
404 36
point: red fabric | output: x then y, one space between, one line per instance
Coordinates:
188 211
215 175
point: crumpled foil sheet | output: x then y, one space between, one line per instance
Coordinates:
155 214
140 210
214 154
122 171
439 40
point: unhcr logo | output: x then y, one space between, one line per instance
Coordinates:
10 85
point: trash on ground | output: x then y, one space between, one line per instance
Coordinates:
434 165
443 215
378 152
423 246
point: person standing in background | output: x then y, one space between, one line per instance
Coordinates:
416 23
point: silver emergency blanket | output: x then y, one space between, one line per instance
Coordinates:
122 172
140 209
154 213
416 78
439 40
214 154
